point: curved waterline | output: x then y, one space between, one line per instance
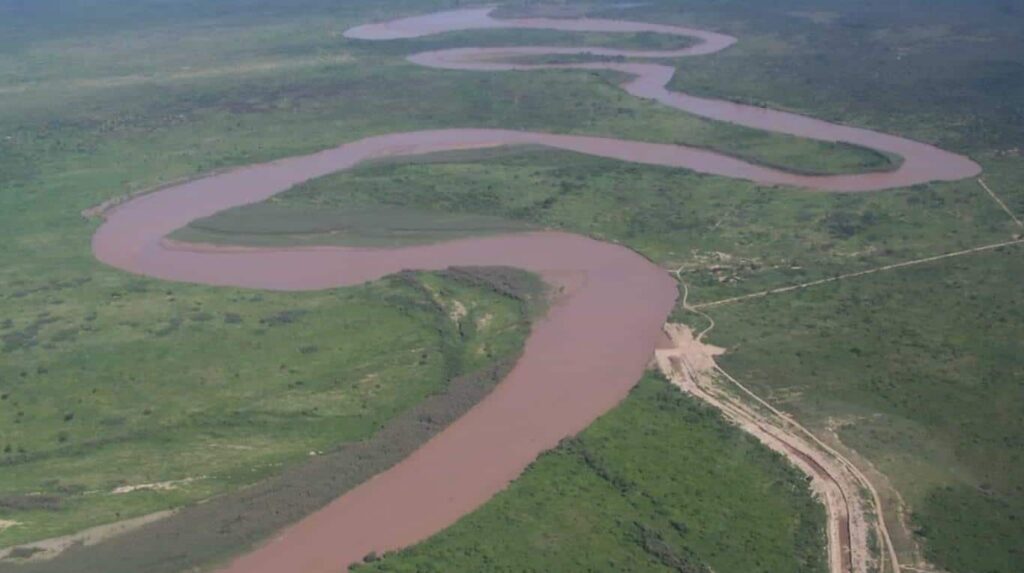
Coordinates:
922 162
579 361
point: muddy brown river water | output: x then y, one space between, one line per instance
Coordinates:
580 360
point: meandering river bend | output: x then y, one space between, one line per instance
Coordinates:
580 360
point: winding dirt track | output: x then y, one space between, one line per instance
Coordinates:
579 361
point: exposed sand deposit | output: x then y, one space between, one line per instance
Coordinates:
50 548
579 361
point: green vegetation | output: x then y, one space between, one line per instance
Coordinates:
200 391
526 37
732 237
917 370
272 223
113 381
661 483
941 71
221 527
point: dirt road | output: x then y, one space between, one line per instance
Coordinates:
853 519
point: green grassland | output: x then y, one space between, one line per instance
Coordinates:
731 237
661 483
917 370
214 389
271 223
941 71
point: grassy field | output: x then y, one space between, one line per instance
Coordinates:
731 237
938 71
273 223
478 342
661 483
917 370
201 391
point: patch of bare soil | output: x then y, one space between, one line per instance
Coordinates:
724 267
155 486
50 548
